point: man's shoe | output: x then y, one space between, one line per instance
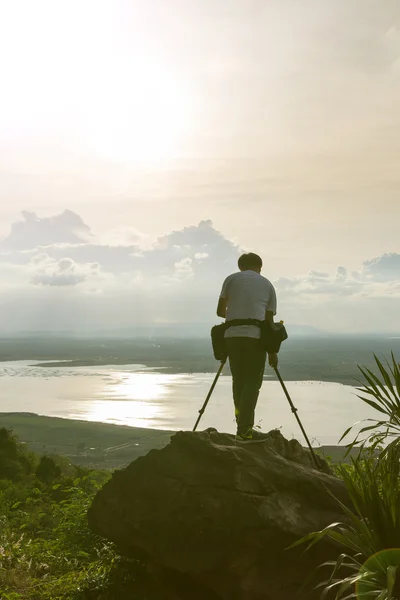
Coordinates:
258 435
251 434
247 435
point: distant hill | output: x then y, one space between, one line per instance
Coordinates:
304 330
162 330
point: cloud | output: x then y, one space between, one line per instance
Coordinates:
210 253
363 300
97 286
360 301
127 236
177 278
200 256
341 274
378 277
183 268
64 272
383 268
33 231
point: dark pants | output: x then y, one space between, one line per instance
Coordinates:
247 361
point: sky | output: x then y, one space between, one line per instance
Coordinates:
144 145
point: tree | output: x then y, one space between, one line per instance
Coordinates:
47 470
15 460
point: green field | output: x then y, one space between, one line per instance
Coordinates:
96 445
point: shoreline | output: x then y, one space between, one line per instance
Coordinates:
100 445
182 370
334 359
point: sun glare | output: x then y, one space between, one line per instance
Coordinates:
134 398
74 75
140 386
141 117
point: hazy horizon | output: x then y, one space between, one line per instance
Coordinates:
179 331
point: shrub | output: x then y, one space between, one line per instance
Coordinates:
383 395
369 566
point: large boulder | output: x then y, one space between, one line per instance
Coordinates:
213 517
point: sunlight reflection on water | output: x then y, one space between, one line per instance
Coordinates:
141 386
140 397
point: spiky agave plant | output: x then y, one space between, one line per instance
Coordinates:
384 396
369 535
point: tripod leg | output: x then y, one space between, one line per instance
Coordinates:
294 411
203 408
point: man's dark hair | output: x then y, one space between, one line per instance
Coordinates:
249 261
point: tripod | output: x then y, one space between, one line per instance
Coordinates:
294 411
292 407
203 408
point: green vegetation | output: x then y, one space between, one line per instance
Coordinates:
369 565
47 551
384 396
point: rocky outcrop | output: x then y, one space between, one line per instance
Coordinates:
213 517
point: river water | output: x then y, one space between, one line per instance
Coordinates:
140 397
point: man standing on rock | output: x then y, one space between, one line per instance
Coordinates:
247 295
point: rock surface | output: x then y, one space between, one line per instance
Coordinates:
212 517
